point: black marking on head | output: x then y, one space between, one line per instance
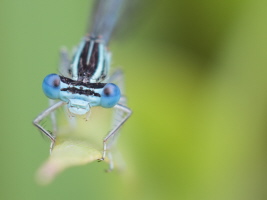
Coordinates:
86 92
80 83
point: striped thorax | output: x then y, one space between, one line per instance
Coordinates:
91 61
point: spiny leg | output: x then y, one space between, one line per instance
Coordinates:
114 131
64 64
88 115
111 164
44 114
118 78
53 116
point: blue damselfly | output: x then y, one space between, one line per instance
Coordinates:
85 81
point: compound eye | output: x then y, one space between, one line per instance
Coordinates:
110 95
51 86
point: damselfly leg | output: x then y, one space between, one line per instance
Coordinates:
114 131
43 115
121 114
64 63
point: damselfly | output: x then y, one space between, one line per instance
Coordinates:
85 82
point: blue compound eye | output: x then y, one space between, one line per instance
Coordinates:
110 96
51 86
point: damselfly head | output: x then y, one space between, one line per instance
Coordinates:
79 96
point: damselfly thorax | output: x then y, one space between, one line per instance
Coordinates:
91 61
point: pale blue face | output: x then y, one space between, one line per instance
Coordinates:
80 98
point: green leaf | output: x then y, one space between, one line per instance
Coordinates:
75 145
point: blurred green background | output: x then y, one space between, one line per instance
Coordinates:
196 82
